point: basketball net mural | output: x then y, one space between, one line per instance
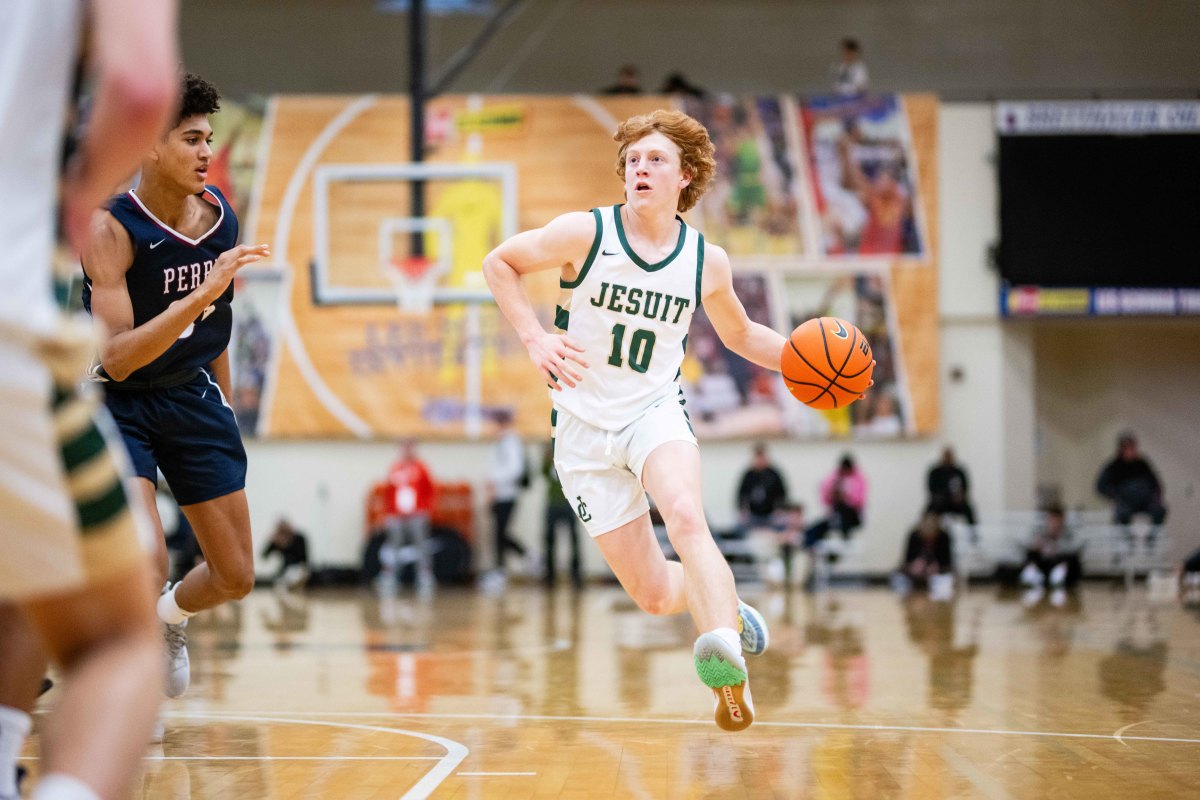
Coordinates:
374 319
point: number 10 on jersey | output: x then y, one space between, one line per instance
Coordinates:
641 348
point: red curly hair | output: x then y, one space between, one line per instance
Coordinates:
695 148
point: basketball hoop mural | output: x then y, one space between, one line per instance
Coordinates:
384 322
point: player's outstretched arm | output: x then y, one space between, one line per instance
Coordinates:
563 244
136 57
749 339
125 348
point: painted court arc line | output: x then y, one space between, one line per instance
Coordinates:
556 646
758 724
283 230
456 752
597 112
280 758
1119 734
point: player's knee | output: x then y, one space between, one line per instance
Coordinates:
235 582
136 637
653 599
684 517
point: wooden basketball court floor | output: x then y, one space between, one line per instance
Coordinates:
563 694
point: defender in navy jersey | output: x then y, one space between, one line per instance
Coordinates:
159 273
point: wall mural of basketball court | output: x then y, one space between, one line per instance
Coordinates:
374 321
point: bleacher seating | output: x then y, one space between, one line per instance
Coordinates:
1106 548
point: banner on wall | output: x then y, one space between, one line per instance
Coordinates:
1042 301
1097 117
331 354
863 175
729 397
755 207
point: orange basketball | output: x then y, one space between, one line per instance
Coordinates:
827 363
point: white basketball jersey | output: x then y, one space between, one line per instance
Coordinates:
39 41
632 319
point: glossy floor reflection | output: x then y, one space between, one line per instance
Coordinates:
580 695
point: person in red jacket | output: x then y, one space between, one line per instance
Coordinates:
409 509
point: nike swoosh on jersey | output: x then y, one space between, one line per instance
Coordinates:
206 312
606 253
156 244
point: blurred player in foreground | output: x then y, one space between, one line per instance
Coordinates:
70 558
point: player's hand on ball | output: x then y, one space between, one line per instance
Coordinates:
551 354
863 396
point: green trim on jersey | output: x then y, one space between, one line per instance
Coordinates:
699 270
679 372
634 256
686 416
562 318
591 256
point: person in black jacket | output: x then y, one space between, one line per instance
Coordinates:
949 487
290 548
1131 483
761 493
1053 556
929 551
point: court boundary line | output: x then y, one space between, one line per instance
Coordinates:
274 758
488 774
1117 736
456 752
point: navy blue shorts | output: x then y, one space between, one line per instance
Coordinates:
187 431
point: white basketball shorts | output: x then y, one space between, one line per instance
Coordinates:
67 518
601 470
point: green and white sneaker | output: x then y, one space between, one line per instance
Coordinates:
724 671
753 630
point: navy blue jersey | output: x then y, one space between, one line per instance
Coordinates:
168 266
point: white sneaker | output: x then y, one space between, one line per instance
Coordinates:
493 582
178 666
1058 575
1032 576
941 587
752 629
724 671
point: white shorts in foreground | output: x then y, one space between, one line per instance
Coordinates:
601 470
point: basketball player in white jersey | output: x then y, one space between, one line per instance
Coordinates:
635 273
73 573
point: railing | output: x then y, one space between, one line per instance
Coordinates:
1105 547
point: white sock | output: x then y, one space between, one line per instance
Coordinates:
168 610
730 637
60 786
14 727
